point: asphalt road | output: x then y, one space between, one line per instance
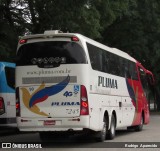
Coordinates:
149 138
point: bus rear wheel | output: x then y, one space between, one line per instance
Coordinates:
101 136
112 131
140 126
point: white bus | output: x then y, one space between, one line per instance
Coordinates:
68 83
7 95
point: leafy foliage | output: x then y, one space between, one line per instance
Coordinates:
130 25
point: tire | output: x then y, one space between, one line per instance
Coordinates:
112 131
101 136
140 126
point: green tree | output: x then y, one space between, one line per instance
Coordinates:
130 25
10 26
136 32
66 15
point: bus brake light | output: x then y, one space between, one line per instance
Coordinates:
84 101
2 107
84 104
17 106
1 104
22 41
74 38
17 102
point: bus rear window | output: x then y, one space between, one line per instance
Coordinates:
50 53
10 76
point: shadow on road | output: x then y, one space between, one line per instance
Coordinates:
73 141
6 131
80 141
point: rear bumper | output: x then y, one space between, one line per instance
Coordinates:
61 124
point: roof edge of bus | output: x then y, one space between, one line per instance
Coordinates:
140 65
111 49
11 64
48 35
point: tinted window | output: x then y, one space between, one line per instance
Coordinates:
114 64
10 76
122 66
107 62
48 54
144 81
133 71
143 78
96 56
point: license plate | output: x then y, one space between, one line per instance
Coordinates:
49 122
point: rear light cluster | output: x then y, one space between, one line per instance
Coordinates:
84 101
23 41
2 106
17 102
74 38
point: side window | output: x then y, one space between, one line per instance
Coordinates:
133 71
114 64
10 76
143 79
117 65
126 69
96 56
106 61
122 67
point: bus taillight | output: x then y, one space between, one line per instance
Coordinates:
17 109
84 101
2 106
23 41
17 102
17 106
74 38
